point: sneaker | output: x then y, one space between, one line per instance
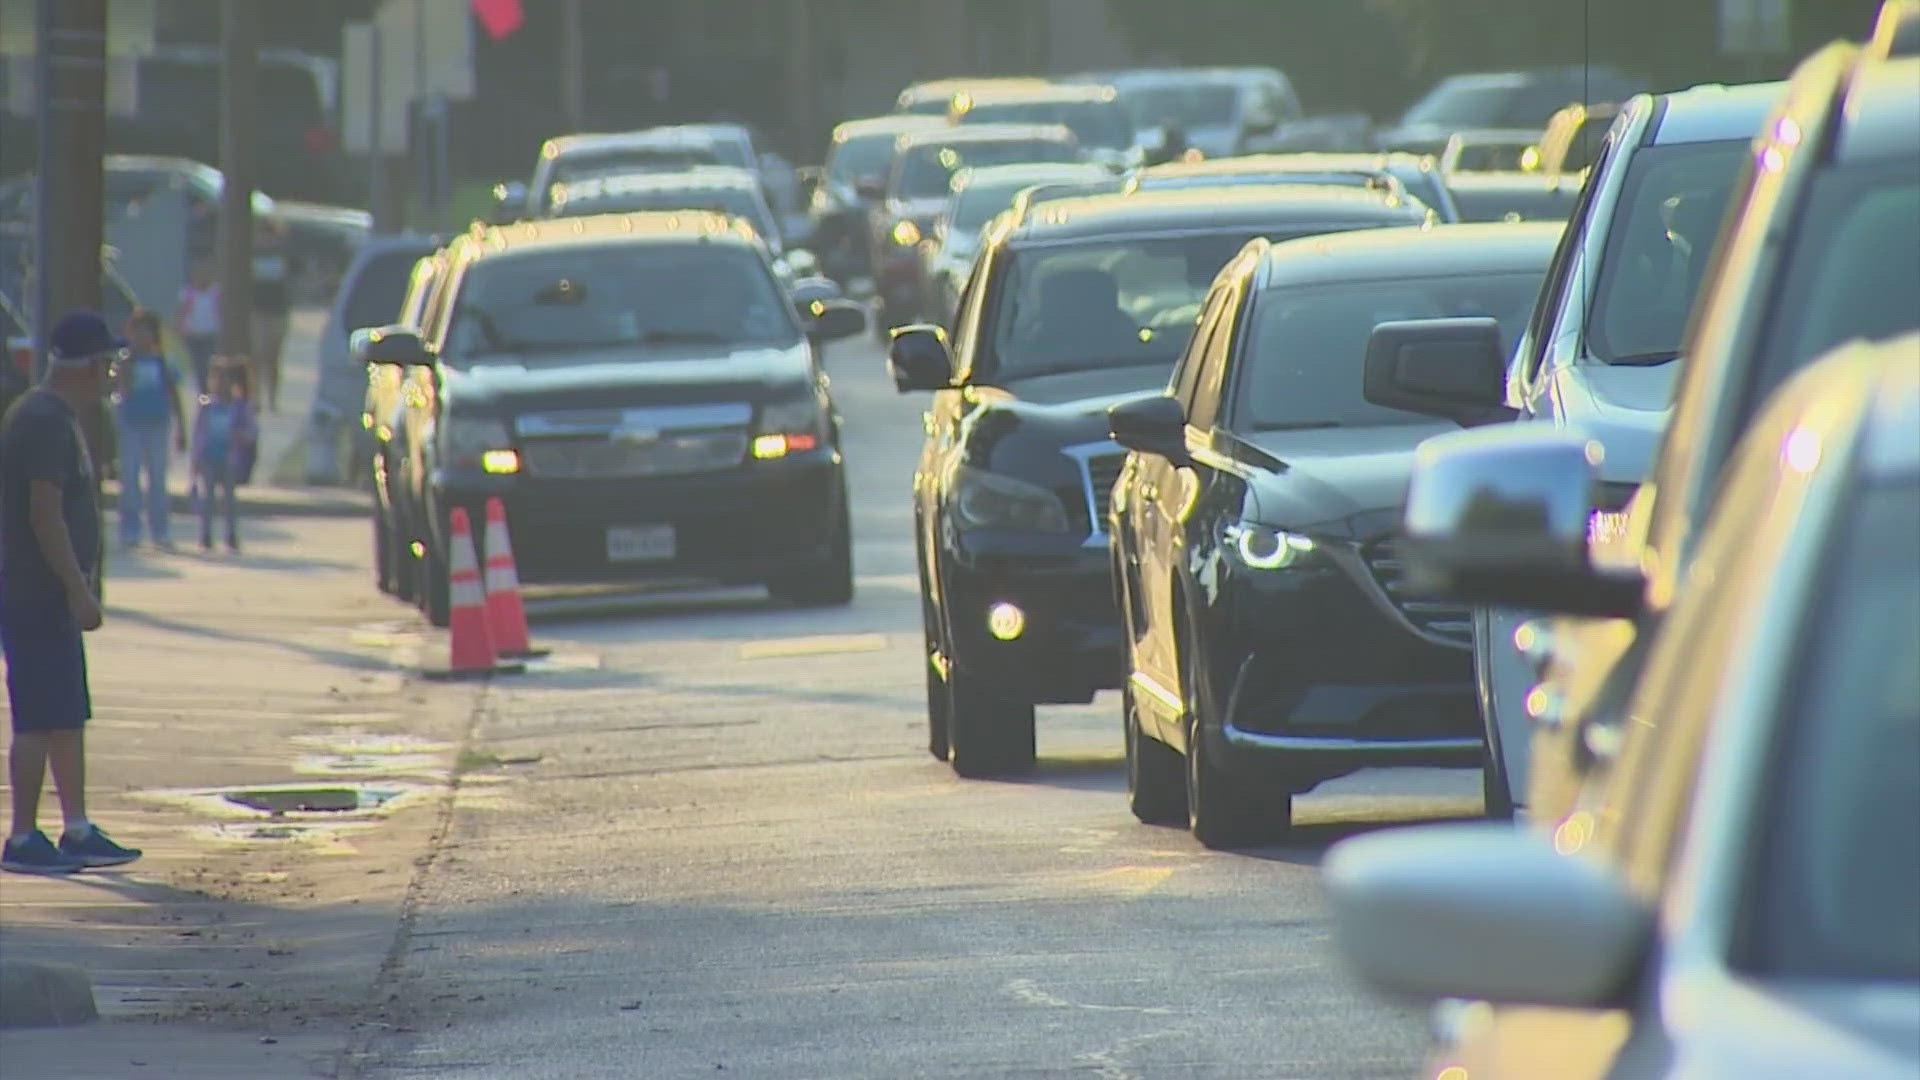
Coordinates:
92 848
35 854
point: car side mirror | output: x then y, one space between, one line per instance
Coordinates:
1450 368
1152 425
834 319
396 345
918 359
1502 516
509 202
1485 912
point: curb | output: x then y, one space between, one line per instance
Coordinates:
33 994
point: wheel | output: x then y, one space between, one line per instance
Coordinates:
1156 777
988 735
1222 809
936 686
383 569
828 583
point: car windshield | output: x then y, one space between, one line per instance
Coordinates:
1851 271
603 163
1241 179
545 304
1467 104
1839 876
375 294
739 201
1302 364
1094 123
1104 304
926 172
1657 248
1189 105
857 157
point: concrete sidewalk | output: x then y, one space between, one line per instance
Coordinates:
247 941
278 489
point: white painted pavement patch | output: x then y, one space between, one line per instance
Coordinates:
823 645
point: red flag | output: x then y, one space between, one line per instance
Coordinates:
499 17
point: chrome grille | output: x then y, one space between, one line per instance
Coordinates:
1441 618
667 454
1102 472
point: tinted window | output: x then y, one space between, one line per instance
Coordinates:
1094 123
1662 234
860 156
1187 106
376 293
1852 270
535 305
1104 304
926 172
1302 364
739 201
1840 873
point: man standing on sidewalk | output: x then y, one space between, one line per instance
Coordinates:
49 541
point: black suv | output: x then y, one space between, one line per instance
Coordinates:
1077 304
1267 635
642 395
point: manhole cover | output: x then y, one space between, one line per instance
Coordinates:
310 800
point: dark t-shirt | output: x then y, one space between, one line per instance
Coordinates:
40 440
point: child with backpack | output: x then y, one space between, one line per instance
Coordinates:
226 437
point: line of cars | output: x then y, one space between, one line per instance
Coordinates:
1501 493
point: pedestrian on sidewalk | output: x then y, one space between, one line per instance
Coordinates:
226 436
271 304
197 319
49 543
152 423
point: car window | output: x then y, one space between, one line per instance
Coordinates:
542 305
1837 887
597 164
1465 104
1094 123
741 202
926 171
1106 303
1670 208
1193 359
1205 401
1186 104
859 157
1553 291
1306 345
376 294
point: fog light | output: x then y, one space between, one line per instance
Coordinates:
500 461
1005 621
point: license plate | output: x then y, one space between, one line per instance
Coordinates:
640 543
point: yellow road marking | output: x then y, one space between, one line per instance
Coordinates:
813 646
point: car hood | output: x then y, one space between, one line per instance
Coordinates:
1020 428
1624 409
1344 482
639 375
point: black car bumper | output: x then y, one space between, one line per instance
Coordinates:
1071 643
1336 677
748 524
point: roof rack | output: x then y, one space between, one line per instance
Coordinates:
1897 31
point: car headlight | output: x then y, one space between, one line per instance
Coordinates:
469 437
985 500
1263 548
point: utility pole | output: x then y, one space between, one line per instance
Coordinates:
71 109
573 68
239 41
802 80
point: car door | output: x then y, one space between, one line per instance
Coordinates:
941 424
1159 493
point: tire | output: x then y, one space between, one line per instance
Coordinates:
828 583
384 574
988 735
1222 809
1156 777
936 686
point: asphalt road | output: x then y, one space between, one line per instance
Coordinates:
725 851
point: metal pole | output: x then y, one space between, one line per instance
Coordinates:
573 76
43 196
72 66
239 41
376 149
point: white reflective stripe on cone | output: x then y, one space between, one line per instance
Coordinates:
500 577
466 594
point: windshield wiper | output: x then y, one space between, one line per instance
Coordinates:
1646 359
1303 425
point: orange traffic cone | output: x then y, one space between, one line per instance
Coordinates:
470 643
506 617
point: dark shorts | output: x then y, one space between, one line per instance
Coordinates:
46 666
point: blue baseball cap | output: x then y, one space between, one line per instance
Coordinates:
80 334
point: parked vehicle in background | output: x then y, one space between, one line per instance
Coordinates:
569 158
1065 312
1269 642
844 190
373 292
1094 114
1503 99
946 257
924 164
1734 894
1818 249
934 97
644 398
397 523
1487 150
